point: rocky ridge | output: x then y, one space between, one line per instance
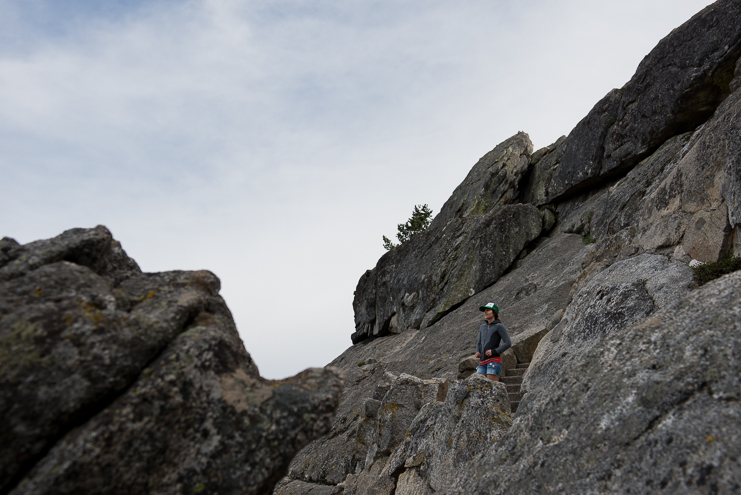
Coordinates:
118 381
634 381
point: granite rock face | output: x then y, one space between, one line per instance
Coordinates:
419 436
493 181
419 282
676 88
446 437
652 409
685 194
380 418
616 298
118 381
468 246
633 379
529 296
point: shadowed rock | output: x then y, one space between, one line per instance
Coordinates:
676 88
467 247
117 381
685 194
416 284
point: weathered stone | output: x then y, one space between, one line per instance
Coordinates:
116 381
509 360
580 166
444 266
492 182
555 319
411 483
330 459
708 237
543 164
549 219
370 482
468 363
399 407
622 295
92 248
287 486
371 407
677 87
677 195
446 437
652 408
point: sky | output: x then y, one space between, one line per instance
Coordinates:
275 142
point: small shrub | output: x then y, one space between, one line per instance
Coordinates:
419 221
710 271
361 363
588 239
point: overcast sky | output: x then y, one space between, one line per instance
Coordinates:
275 142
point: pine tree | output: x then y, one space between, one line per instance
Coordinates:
419 221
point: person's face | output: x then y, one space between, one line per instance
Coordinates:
488 314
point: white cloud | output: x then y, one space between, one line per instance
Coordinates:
275 142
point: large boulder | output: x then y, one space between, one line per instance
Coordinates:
424 434
467 247
686 194
380 423
676 88
117 381
419 282
447 437
616 298
493 181
652 407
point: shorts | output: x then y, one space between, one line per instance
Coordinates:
489 369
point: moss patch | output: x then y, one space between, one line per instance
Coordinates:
480 206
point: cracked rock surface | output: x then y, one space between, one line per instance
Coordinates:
118 381
653 409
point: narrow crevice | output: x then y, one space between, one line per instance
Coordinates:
442 314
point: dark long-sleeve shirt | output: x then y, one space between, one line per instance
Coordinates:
491 335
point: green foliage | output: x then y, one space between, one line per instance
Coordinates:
418 222
361 363
588 239
387 244
710 271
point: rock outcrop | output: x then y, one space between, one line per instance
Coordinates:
634 380
654 408
467 247
676 88
417 434
419 282
118 381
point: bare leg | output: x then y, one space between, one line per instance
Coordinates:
493 378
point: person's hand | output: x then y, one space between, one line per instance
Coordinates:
488 353
478 354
